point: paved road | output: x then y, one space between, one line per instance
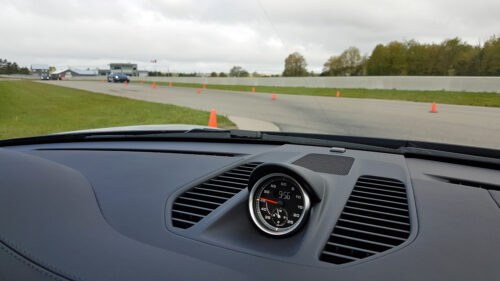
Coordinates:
468 125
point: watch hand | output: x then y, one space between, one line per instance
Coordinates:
267 200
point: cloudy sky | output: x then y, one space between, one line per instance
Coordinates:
213 35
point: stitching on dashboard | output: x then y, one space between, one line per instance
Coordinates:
25 253
29 264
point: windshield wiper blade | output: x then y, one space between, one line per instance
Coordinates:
233 133
197 133
192 134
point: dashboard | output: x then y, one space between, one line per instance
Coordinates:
151 210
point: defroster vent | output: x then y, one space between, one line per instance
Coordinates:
196 203
374 219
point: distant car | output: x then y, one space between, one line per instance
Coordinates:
54 76
44 77
118 77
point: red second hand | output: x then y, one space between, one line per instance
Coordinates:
270 201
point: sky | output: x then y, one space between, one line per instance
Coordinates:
214 35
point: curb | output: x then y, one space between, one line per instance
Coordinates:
253 124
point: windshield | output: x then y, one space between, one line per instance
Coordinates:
395 69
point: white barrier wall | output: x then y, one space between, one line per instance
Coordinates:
467 84
447 83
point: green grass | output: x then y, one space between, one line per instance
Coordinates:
445 97
30 108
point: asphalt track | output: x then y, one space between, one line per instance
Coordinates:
466 125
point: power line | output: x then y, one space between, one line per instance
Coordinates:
271 22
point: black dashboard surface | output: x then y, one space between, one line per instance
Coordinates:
101 211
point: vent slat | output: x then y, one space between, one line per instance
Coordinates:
237 174
243 170
390 187
222 186
232 178
370 198
206 195
187 213
193 206
253 164
379 179
385 214
196 203
351 247
225 193
243 185
374 189
374 225
199 200
374 219
339 255
369 233
377 205
181 221
386 197
369 242
247 167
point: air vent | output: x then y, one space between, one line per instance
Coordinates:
374 219
196 203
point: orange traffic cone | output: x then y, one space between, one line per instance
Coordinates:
204 86
170 84
103 81
212 122
338 94
253 90
198 90
126 83
433 109
154 85
141 82
274 96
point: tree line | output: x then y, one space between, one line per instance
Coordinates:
452 57
7 67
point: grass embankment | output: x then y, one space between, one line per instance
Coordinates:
30 108
444 97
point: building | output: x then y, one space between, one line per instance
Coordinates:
85 72
40 69
125 68
103 72
68 73
143 73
